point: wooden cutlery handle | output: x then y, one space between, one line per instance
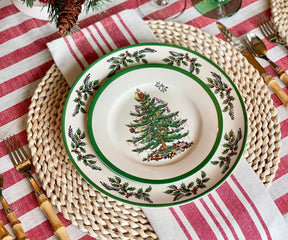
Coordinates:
16 226
283 76
4 234
14 221
280 72
57 225
271 82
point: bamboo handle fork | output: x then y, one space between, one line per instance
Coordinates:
23 165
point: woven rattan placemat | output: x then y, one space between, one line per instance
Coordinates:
103 217
279 16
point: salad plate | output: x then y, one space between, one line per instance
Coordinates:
223 114
155 134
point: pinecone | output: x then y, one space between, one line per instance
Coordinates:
68 15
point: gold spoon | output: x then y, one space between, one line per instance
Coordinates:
258 48
13 220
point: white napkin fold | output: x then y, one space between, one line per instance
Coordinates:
74 53
240 208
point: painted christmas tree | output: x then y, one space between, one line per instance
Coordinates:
158 130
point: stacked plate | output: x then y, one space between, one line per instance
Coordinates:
154 125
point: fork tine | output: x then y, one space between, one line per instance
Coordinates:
267 29
17 153
271 26
15 150
17 142
10 152
260 20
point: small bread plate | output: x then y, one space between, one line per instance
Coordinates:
154 125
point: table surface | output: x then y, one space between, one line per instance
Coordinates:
24 60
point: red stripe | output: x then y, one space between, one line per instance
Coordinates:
114 32
41 231
8 11
96 41
74 54
15 112
276 100
238 211
11 176
126 28
24 79
284 128
84 47
21 29
214 219
223 216
252 205
180 223
282 168
25 52
197 221
102 37
282 203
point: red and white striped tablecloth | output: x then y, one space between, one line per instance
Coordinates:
24 60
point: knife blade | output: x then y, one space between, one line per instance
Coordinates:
268 79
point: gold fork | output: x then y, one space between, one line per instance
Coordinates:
268 30
23 165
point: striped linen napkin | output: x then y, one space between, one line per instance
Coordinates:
240 208
84 47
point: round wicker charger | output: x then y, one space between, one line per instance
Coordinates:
103 217
279 16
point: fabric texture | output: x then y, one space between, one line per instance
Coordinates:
24 61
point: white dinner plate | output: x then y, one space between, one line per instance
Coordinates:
163 189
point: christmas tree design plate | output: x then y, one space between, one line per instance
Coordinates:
172 116
155 123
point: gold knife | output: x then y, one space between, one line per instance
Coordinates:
268 79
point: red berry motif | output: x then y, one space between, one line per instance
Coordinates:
141 95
